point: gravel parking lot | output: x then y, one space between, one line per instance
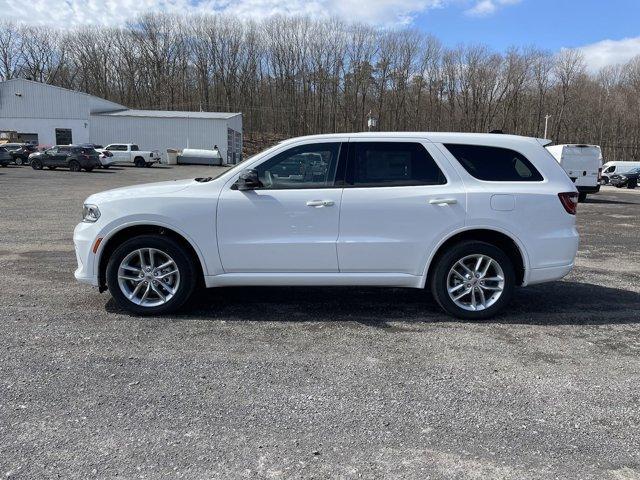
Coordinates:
311 382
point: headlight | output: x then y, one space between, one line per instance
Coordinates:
90 213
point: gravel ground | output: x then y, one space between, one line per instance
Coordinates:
311 382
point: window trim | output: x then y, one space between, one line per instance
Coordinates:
338 181
351 159
465 171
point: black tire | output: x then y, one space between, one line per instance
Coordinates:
74 166
19 161
582 197
184 263
445 262
139 162
631 184
36 164
619 185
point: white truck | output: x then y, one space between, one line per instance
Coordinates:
129 153
583 164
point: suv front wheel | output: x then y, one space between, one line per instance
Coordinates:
473 280
150 275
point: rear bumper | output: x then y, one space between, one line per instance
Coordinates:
588 189
548 274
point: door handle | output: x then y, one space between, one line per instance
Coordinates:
443 201
320 203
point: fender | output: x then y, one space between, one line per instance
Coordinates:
468 228
156 223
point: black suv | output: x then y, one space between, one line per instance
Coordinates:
74 157
20 152
5 156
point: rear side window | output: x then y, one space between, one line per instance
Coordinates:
389 164
494 164
134 148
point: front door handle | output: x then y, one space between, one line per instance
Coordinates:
320 203
443 201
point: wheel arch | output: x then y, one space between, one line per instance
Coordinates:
498 237
117 237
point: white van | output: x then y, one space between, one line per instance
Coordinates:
583 164
610 168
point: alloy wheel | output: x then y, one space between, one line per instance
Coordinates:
475 282
148 277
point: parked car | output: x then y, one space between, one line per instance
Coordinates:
20 152
628 179
468 216
583 164
616 167
131 153
74 157
106 157
5 157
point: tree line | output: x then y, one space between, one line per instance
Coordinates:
298 75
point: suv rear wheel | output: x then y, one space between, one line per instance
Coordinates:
150 275
74 166
473 280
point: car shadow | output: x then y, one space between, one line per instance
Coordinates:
605 201
557 303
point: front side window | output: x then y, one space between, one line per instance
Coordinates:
134 148
494 164
305 166
388 164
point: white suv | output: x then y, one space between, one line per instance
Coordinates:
470 216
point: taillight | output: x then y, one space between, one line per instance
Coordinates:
569 201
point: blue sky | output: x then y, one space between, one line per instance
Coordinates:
607 32
550 24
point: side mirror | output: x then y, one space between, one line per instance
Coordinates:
248 180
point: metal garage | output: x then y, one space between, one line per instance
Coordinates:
49 115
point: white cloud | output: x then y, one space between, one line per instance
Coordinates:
69 13
484 8
610 52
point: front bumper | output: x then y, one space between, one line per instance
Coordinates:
84 237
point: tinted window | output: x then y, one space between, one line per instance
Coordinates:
494 164
117 148
134 148
391 164
305 166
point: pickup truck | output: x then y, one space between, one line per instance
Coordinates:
129 153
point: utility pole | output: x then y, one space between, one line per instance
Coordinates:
371 121
546 124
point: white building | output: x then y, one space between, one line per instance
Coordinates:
49 115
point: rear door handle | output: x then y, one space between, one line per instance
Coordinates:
443 201
320 203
